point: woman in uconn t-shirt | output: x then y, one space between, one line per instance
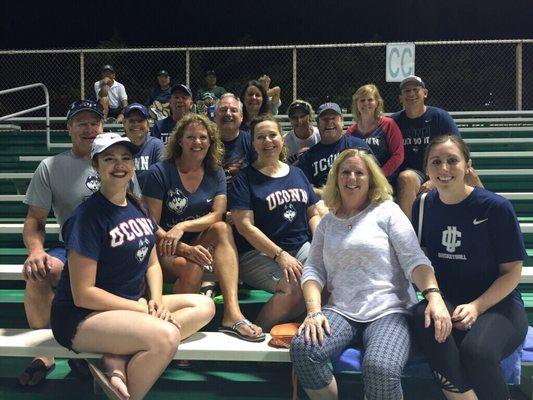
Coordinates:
273 207
186 194
474 242
109 298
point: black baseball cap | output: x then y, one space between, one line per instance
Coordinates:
298 105
85 105
108 67
163 72
210 72
182 88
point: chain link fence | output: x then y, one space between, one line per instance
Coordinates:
461 76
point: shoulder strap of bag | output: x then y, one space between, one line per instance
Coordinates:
421 217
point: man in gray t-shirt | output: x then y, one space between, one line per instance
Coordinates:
60 183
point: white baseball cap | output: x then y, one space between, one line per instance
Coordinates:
106 140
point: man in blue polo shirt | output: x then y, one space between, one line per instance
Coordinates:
180 105
419 124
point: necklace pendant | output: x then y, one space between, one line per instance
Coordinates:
349 227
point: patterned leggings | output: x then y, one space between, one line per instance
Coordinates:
386 343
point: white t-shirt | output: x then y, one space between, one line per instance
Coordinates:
116 93
296 146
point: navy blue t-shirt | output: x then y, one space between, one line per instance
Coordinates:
164 183
163 128
467 241
279 205
238 154
163 96
417 132
119 239
149 153
317 161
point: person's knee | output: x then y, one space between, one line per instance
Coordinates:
292 292
206 308
408 181
189 274
476 355
381 370
303 354
167 338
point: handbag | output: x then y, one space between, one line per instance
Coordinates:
282 335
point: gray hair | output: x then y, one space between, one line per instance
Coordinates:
231 95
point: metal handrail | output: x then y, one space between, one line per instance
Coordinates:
46 106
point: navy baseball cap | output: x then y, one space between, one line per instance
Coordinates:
298 105
413 78
136 107
106 140
163 72
181 87
85 105
210 72
329 106
108 67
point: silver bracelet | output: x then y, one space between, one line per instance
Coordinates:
316 314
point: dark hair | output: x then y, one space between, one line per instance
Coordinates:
460 143
264 106
215 154
269 118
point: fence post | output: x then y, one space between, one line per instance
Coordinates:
188 67
519 76
82 75
294 75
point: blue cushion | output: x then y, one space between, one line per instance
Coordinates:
350 361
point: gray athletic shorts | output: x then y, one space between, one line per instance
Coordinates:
262 272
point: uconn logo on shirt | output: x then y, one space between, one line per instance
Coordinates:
451 240
142 163
324 164
130 230
280 197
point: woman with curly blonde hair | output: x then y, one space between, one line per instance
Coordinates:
186 195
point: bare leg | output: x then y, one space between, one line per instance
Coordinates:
38 297
470 395
192 311
408 185
115 368
186 276
104 101
286 304
329 392
220 236
151 342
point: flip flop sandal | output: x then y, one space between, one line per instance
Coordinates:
232 330
101 379
37 366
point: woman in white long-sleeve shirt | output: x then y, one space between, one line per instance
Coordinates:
366 254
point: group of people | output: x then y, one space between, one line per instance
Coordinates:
307 216
114 99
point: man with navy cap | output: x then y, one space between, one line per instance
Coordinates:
160 94
419 123
317 161
150 148
111 94
60 183
180 105
210 86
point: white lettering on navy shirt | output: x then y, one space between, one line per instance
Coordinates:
142 163
130 230
280 197
324 164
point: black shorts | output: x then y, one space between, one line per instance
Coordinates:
64 321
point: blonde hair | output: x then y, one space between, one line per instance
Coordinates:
369 90
379 189
215 154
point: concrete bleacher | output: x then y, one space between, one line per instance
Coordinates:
502 151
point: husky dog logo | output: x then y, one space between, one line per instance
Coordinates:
143 249
93 182
289 212
177 202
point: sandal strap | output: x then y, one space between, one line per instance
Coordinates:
243 321
116 374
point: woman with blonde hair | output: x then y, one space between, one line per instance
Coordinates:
186 195
366 253
380 132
